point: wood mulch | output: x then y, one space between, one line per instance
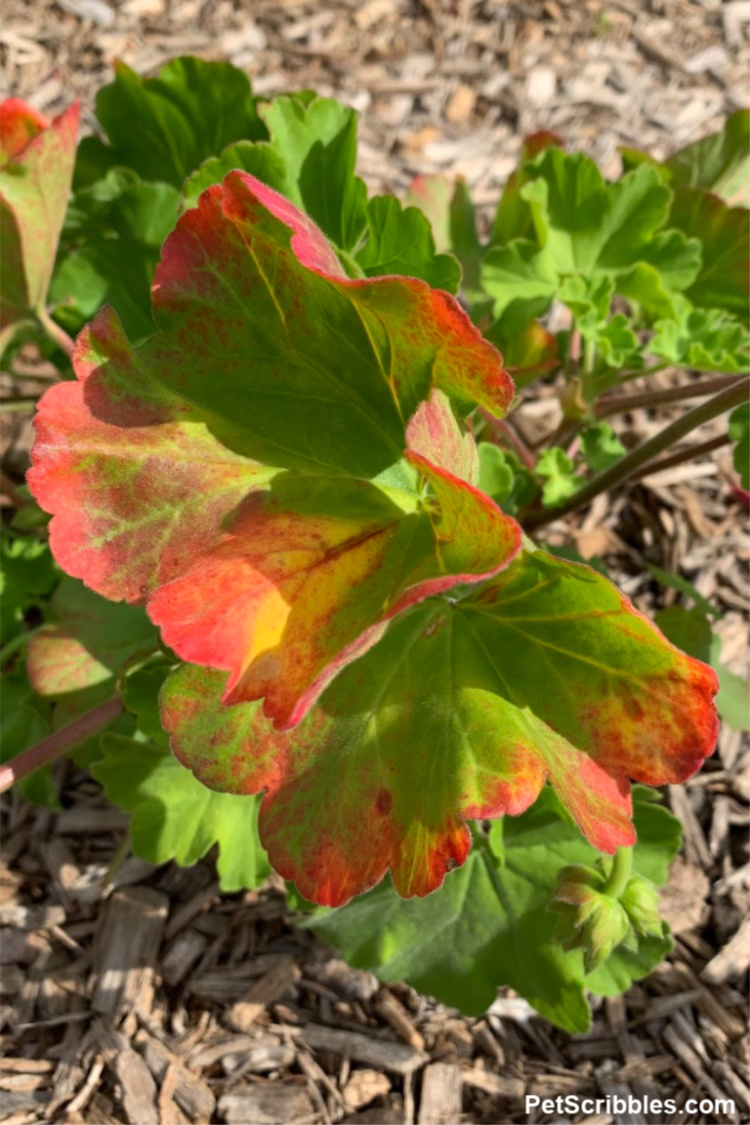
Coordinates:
136 994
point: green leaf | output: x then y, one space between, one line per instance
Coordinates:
601 446
490 924
589 299
719 163
724 278
450 212
690 630
140 695
733 700
513 217
505 479
546 672
27 573
259 158
702 339
165 127
400 242
558 473
117 254
739 432
586 227
318 141
520 271
175 817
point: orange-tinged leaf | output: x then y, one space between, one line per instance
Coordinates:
321 372
276 577
461 711
19 124
35 175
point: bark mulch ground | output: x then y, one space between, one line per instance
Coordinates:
138 994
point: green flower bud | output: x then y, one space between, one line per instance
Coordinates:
641 902
602 907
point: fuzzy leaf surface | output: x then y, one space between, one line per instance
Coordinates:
546 673
357 356
479 930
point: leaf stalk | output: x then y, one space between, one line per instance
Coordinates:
619 875
625 468
56 334
58 743
620 404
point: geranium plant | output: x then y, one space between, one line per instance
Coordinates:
301 614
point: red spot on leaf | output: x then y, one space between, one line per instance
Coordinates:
383 802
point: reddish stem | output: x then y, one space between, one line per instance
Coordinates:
619 404
510 437
58 743
684 455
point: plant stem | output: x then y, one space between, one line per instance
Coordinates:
622 867
619 404
56 334
625 468
510 437
682 456
58 743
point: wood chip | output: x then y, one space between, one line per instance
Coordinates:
127 945
363 1087
461 105
379 1053
440 1103
395 1014
190 1091
138 1087
732 960
271 986
499 1085
267 1105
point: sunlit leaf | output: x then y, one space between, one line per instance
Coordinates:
547 673
491 925
277 577
165 127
